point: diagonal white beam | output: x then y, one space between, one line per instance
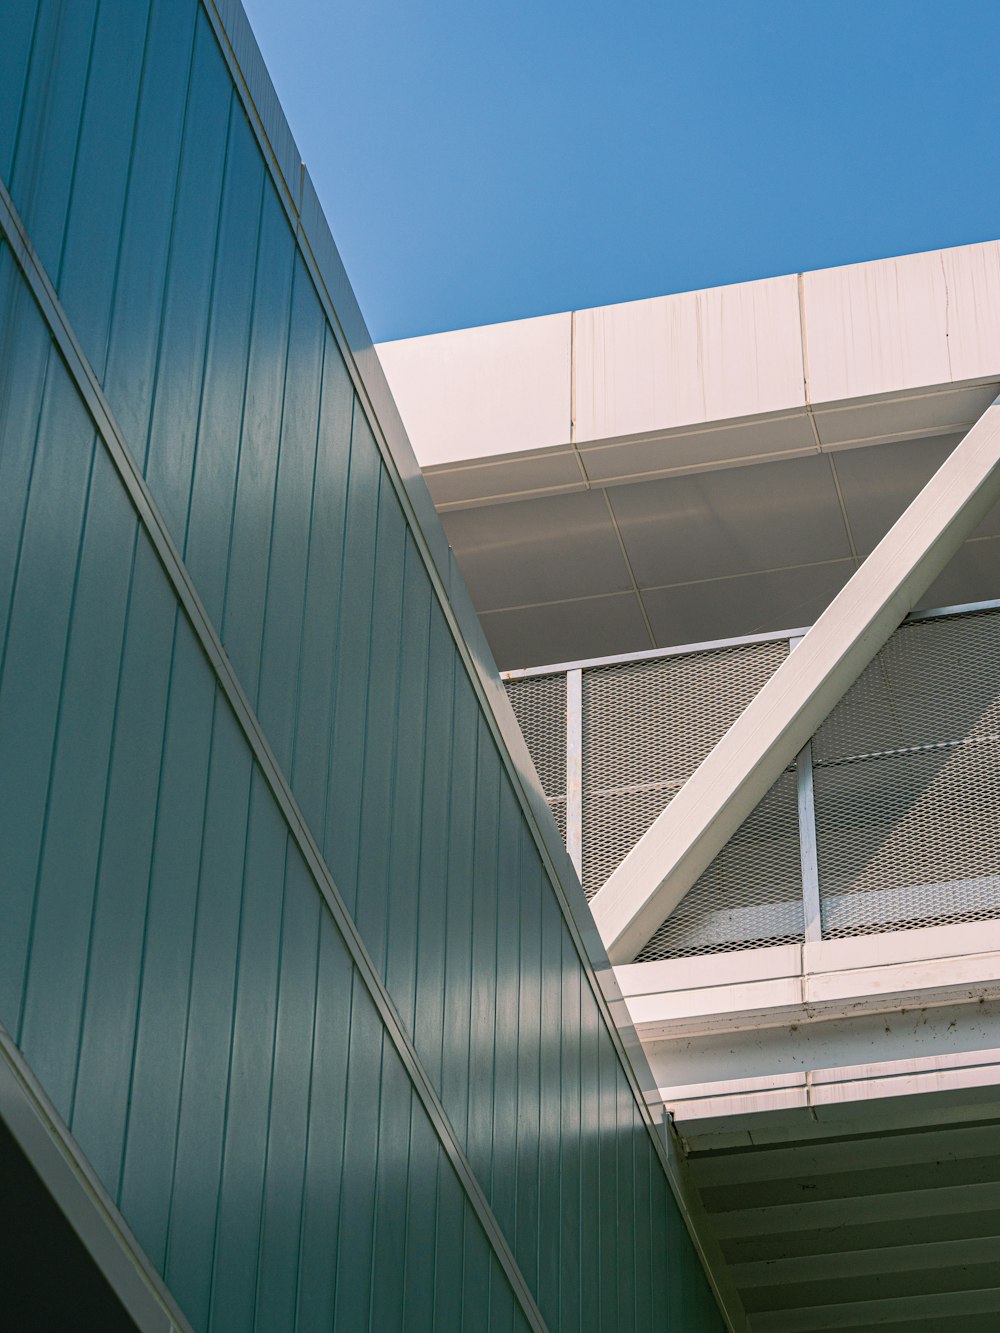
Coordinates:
710 807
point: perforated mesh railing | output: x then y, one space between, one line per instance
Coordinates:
654 720
539 704
647 725
751 894
905 775
907 783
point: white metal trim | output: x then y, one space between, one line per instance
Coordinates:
574 769
812 915
680 650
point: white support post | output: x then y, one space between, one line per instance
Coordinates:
574 768
708 810
812 914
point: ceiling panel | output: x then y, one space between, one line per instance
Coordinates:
542 550
755 603
878 483
566 631
972 575
729 522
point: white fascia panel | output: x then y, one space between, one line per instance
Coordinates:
708 810
972 275
728 969
671 361
478 393
904 323
952 1073
921 944
871 328
760 988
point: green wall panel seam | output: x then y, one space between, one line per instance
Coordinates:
728 1301
87 385
104 817
79 135
54 754
167 704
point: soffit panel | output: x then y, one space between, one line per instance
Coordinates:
732 521
972 575
541 550
512 476
566 631
689 539
878 482
756 603
879 1226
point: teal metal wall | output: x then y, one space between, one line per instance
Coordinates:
281 938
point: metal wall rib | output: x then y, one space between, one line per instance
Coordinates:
170 970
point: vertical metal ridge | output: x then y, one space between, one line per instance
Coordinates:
169 258
71 606
104 813
126 191
109 434
213 1270
241 434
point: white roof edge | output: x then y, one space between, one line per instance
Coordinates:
588 378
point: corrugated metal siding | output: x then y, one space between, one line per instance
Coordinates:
167 964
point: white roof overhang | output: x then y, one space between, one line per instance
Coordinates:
702 465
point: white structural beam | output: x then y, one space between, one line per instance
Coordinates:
708 810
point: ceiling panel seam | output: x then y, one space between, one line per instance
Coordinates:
631 571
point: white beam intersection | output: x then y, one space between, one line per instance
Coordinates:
765 739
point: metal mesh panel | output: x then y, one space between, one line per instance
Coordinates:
539 704
647 725
907 783
751 894
654 721
934 682
613 822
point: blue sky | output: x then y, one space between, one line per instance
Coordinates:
482 161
